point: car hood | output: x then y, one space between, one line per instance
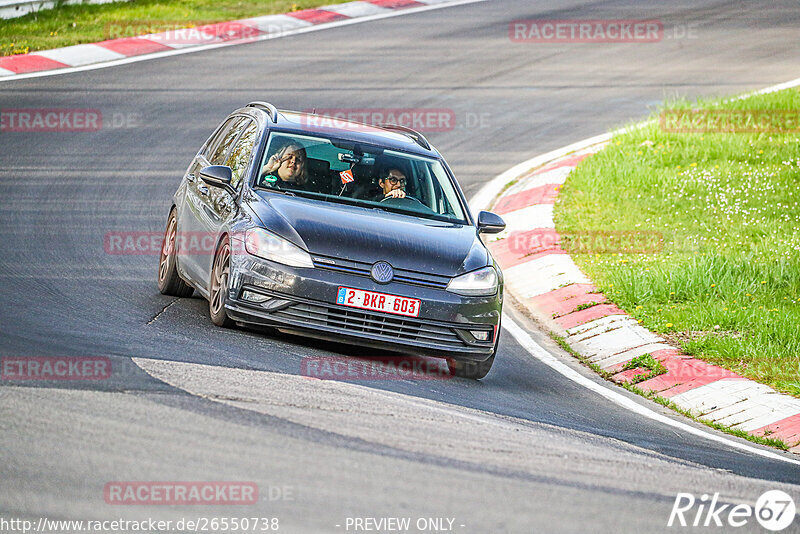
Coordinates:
369 235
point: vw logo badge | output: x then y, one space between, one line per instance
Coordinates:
382 272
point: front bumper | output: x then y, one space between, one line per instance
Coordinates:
303 301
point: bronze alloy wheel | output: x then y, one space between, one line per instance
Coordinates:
167 246
219 285
169 282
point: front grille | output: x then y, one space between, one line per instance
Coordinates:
403 276
405 329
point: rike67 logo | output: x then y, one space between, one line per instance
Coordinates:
774 511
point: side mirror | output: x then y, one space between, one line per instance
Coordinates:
489 223
217 176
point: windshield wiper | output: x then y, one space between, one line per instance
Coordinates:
279 191
401 211
418 215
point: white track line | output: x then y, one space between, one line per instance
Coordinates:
482 200
166 53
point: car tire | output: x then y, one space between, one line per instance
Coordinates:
169 281
218 295
470 369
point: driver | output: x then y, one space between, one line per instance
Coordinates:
392 184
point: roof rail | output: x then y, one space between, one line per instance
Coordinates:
413 134
266 106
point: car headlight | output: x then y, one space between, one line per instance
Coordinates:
263 244
482 282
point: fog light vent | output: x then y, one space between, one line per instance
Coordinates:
252 296
481 335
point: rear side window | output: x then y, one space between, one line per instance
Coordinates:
239 156
228 137
214 141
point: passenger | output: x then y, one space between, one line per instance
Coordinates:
392 184
287 167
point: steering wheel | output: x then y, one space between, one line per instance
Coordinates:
403 200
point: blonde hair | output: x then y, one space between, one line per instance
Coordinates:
300 150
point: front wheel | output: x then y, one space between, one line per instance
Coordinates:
468 369
219 285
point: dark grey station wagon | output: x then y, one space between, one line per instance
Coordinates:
333 229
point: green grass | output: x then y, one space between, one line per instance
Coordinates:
586 305
76 24
647 362
725 284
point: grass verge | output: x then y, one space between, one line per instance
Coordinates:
77 24
723 279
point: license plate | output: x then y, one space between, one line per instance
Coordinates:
382 302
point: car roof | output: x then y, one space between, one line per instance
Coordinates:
311 123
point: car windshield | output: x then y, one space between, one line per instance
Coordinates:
333 170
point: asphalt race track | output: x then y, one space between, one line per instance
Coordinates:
524 450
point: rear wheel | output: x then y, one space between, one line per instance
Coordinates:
219 285
169 282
